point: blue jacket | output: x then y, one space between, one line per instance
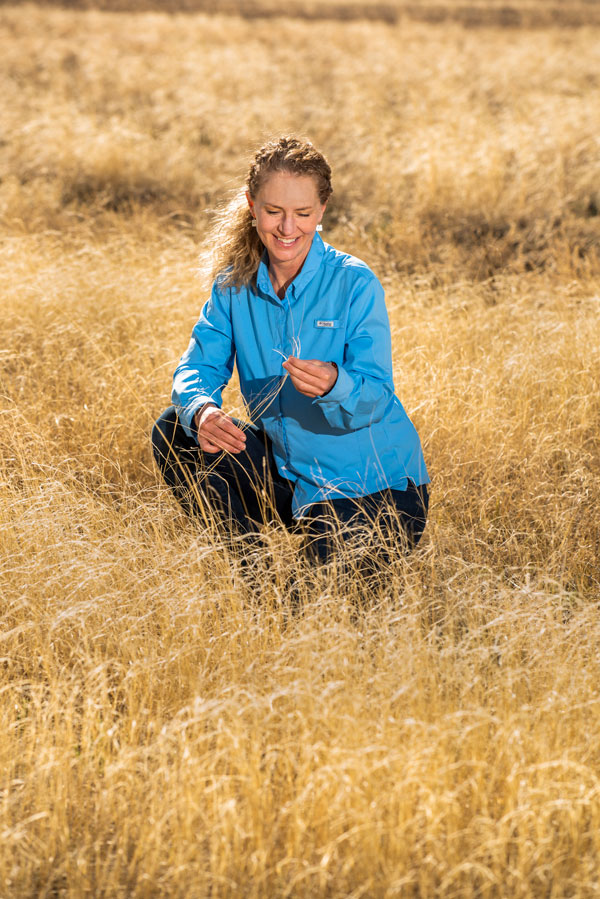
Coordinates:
355 440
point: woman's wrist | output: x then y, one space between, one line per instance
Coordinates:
199 412
334 364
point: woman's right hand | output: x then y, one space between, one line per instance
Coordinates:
216 431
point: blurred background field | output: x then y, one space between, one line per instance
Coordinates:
470 13
169 727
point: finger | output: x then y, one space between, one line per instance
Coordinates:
231 428
318 377
306 388
218 418
208 447
223 441
305 365
307 370
220 427
308 381
228 435
228 446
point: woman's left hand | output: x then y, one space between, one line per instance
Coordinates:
311 376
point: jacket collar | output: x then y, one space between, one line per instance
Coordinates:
304 276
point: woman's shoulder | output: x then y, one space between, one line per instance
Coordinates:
225 289
347 263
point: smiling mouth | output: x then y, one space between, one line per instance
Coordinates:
286 242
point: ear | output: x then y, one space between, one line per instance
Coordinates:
322 213
250 202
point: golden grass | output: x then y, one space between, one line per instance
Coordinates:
169 724
469 13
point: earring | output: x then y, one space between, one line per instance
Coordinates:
253 223
319 227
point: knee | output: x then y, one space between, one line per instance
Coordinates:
164 434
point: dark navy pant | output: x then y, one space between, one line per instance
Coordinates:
246 490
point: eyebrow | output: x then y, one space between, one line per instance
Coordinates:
298 208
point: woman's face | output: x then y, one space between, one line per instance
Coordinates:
287 211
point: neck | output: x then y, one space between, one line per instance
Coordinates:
281 278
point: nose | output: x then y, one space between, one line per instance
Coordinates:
286 225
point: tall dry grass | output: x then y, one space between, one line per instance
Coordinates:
171 725
457 151
469 13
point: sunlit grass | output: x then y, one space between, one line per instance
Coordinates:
181 715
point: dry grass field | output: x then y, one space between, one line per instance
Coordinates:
470 13
169 724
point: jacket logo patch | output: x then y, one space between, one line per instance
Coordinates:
323 323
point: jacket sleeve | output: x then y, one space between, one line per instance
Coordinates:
364 386
207 364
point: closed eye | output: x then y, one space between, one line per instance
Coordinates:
276 212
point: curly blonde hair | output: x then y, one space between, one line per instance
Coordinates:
237 248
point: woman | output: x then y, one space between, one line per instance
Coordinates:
308 330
